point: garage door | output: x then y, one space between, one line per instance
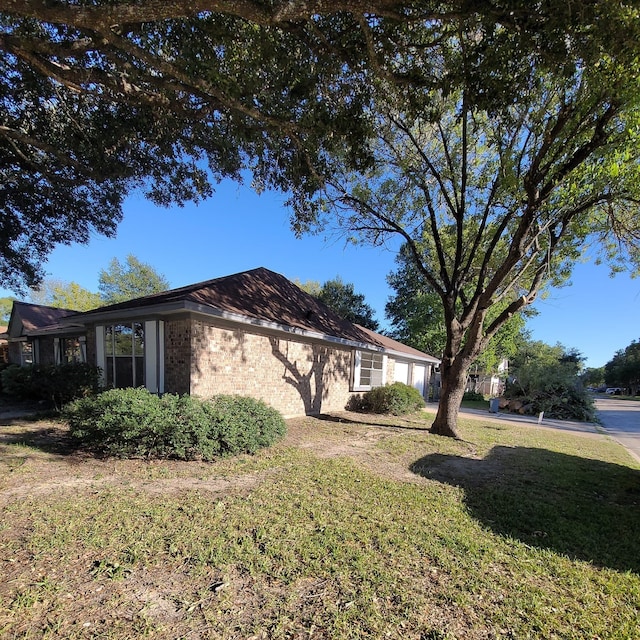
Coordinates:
419 373
401 372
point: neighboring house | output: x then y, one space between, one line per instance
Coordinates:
4 346
254 333
489 384
36 336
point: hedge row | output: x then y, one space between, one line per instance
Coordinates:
55 384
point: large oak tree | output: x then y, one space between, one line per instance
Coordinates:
100 97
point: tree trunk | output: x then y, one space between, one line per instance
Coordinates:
454 379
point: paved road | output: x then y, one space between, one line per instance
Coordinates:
621 420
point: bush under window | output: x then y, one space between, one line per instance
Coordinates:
397 399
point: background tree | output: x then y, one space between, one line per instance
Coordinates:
623 370
343 299
53 292
593 377
414 310
312 287
417 318
104 97
124 281
6 304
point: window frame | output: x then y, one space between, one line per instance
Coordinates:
356 384
136 349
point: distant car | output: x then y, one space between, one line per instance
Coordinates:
614 391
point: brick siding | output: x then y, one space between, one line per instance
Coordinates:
177 356
295 377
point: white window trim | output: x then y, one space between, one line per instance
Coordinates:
357 365
153 355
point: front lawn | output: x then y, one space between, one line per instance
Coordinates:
353 527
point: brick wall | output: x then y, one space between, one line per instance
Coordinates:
46 352
177 356
14 352
297 378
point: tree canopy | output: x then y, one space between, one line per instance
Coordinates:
123 281
65 295
6 304
343 299
416 315
623 370
104 97
497 201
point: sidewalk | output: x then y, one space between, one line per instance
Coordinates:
511 418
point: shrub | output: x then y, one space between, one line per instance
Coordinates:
136 423
17 382
56 384
3 366
396 398
473 396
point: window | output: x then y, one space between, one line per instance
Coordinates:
124 355
369 370
26 353
71 350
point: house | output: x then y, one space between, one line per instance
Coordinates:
254 333
489 383
4 346
35 335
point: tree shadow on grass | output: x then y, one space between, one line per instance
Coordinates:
585 509
49 439
369 420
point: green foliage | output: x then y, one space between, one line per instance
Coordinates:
64 295
121 282
17 382
3 366
623 370
416 315
135 423
397 399
54 384
546 378
341 297
472 396
6 304
593 377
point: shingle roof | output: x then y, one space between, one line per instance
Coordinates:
394 345
265 296
36 317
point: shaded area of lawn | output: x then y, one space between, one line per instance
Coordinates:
582 508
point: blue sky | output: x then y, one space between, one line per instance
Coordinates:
237 230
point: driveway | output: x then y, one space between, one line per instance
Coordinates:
621 420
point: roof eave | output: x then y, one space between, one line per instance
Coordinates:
170 308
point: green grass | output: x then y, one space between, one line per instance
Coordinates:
476 404
511 533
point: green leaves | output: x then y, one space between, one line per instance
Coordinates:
122 282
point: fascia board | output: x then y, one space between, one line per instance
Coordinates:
412 357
